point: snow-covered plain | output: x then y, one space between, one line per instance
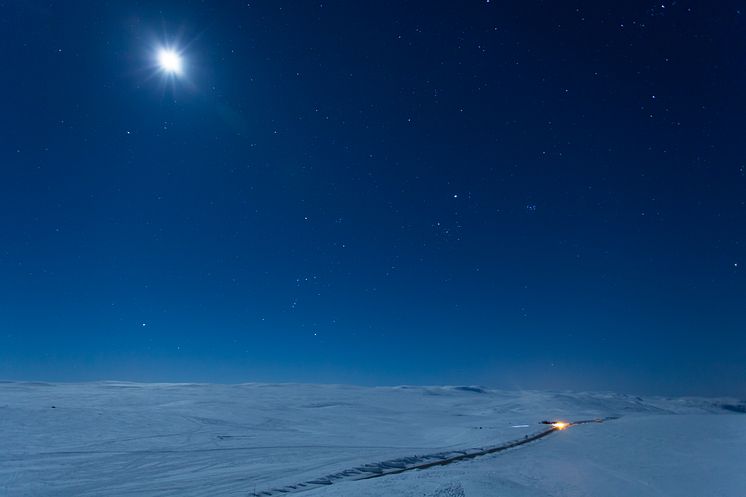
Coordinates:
128 439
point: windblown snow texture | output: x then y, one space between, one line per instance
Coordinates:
190 440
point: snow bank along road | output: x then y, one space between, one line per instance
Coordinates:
400 465
194 440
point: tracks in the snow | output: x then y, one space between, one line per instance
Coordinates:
402 464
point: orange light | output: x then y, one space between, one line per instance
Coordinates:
560 425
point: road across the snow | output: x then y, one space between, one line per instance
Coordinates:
400 465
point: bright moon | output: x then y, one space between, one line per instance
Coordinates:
170 61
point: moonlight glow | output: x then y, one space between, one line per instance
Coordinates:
169 61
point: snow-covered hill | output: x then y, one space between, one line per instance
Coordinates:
120 439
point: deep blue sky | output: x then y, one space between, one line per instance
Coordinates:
516 194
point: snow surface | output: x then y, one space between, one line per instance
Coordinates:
188 440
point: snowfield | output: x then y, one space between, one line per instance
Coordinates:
110 439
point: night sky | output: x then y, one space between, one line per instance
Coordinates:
512 194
